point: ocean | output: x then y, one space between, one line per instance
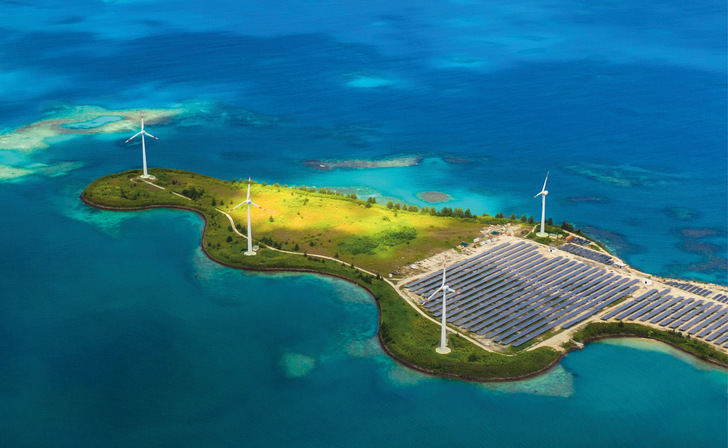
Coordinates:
115 329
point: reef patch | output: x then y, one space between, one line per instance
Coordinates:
393 162
434 197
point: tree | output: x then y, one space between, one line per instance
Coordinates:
372 200
213 202
270 218
550 222
295 247
229 239
513 217
530 219
390 204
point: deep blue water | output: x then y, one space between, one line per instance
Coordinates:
116 331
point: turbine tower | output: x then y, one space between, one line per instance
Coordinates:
443 349
145 175
543 195
249 203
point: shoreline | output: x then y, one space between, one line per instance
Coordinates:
382 344
639 337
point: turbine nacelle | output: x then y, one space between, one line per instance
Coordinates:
142 132
248 202
443 349
543 193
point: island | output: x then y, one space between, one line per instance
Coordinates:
547 295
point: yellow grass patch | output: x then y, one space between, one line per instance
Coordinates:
332 222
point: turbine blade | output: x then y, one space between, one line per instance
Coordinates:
248 198
253 203
237 206
132 137
544 182
150 135
432 295
538 195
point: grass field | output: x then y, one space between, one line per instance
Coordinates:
369 235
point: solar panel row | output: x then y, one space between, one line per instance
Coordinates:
689 287
580 241
705 319
587 253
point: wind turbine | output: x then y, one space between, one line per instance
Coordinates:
249 203
543 195
443 349
145 175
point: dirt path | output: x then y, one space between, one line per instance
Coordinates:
412 302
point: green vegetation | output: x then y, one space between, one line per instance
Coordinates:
407 335
597 330
368 234
386 239
412 339
376 237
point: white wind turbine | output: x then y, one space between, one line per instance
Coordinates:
249 203
543 195
145 175
443 349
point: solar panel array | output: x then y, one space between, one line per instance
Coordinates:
701 318
691 288
580 241
512 293
587 253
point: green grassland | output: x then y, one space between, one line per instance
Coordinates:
371 236
363 234
368 235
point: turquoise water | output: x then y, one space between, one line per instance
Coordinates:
96 122
115 330
191 353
